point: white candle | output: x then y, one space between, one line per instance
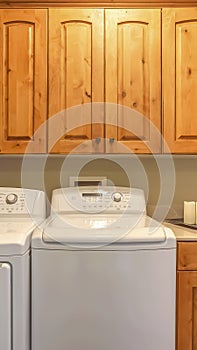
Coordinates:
189 213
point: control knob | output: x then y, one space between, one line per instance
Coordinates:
117 196
11 198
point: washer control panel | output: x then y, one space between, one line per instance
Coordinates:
22 201
93 199
12 203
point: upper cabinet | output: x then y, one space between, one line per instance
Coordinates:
23 67
127 43
118 80
180 79
133 80
76 80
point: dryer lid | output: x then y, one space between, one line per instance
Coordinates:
15 235
100 229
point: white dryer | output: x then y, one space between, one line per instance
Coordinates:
103 274
20 211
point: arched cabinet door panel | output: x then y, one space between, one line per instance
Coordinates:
76 80
180 79
23 87
133 80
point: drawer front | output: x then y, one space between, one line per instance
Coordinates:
187 256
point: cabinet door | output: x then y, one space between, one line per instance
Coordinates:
76 65
180 79
133 80
23 79
186 310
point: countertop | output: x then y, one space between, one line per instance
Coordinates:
182 233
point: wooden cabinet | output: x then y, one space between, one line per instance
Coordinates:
180 79
23 80
107 80
127 43
187 296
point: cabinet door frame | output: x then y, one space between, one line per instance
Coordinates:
34 138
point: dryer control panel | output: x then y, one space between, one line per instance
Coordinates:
22 201
93 199
12 203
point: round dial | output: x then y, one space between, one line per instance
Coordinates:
117 196
11 198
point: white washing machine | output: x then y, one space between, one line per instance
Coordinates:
20 212
103 274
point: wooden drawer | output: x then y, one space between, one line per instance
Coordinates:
187 256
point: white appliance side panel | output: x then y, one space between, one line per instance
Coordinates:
21 301
5 306
104 300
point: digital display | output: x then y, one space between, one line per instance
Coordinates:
87 183
92 194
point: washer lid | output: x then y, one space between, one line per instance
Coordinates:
80 230
15 235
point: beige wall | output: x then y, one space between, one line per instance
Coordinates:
142 171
